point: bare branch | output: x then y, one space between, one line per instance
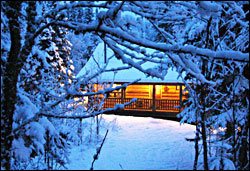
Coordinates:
98 151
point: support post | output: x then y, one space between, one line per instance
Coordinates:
153 98
123 94
180 98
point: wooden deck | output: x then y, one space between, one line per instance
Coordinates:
160 108
139 113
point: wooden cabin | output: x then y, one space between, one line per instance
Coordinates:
155 97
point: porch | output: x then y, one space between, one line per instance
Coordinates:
153 99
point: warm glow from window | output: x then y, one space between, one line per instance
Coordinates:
158 89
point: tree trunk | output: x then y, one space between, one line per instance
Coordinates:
203 119
203 102
196 147
204 140
10 83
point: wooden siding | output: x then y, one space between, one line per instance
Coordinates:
138 91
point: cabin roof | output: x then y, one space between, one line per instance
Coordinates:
97 61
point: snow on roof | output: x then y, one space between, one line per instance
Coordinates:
97 61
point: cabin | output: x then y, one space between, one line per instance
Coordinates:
155 97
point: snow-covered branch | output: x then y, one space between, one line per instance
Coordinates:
228 55
209 41
225 54
69 6
117 106
105 91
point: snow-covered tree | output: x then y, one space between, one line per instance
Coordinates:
11 13
39 81
83 45
215 106
207 40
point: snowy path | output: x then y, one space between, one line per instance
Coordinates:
139 143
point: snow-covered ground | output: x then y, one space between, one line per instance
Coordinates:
138 143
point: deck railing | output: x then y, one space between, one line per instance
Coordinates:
164 104
144 104
110 102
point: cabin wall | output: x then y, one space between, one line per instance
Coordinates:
146 92
168 92
139 91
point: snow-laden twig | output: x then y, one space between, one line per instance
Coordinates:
120 55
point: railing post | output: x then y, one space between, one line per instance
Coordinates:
153 98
